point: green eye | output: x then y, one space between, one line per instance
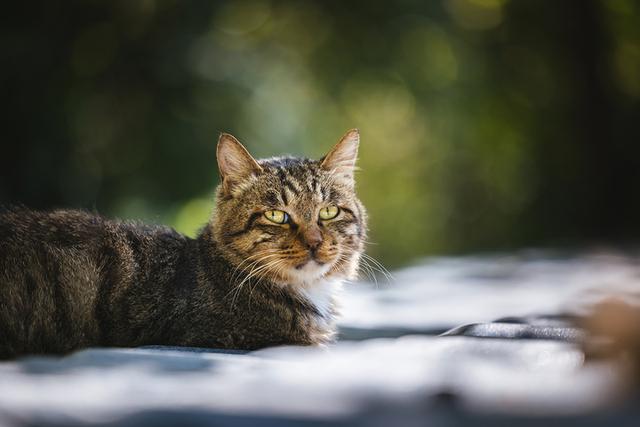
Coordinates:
329 212
279 217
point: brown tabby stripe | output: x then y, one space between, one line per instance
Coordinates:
254 216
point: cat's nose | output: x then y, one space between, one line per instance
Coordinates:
312 238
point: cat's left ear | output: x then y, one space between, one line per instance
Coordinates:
341 160
235 162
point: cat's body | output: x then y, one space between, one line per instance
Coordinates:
71 279
77 280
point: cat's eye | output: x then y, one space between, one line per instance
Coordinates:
329 212
279 217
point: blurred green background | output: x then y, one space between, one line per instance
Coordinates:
486 124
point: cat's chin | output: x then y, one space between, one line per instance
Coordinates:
308 273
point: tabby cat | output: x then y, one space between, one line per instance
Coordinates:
283 235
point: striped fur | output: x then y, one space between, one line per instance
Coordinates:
71 279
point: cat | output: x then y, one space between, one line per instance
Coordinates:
284 233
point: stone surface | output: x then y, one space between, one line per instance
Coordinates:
388 367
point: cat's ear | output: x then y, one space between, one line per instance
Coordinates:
341 160
234 162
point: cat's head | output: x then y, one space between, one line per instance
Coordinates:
290 220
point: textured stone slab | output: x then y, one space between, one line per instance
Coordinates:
389 369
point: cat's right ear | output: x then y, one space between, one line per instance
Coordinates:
341 160
234 162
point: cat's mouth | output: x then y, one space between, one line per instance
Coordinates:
308 271
311 262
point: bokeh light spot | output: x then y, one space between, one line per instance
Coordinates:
240 17
428 54
627 67
192 216
475 14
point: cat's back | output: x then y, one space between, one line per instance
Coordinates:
20 226
78 243
47 261
24 228
54 269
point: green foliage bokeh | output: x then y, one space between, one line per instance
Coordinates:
486 124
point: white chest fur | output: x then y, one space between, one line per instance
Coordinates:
321 295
